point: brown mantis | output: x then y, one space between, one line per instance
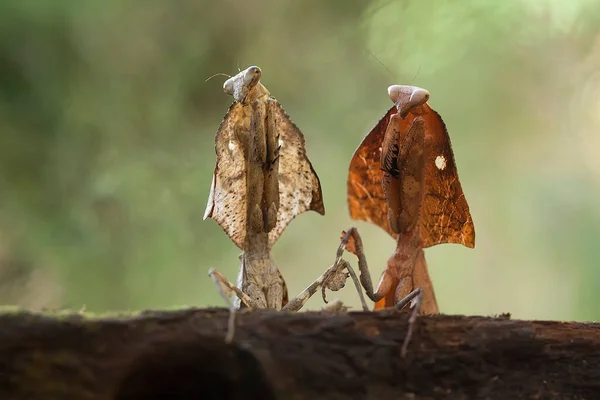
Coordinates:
262 180
403 178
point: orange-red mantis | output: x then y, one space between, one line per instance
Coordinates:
403 178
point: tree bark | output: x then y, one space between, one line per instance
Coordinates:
316 355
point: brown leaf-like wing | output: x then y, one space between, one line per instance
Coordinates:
227 199
366 198
299 185
445 216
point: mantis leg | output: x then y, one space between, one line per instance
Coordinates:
415 297
334 279
226 290
358 251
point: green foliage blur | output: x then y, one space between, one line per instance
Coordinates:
107 131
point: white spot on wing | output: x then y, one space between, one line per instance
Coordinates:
440 162
232 145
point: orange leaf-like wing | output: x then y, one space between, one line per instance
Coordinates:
366 199
444 214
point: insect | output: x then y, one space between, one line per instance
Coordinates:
403 178
262 180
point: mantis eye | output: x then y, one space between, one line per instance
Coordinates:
395 91
228 86
252 75
418 97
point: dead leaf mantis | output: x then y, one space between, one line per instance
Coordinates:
262 180
403 178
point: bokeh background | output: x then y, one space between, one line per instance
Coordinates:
107 143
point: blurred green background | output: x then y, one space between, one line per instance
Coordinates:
107 143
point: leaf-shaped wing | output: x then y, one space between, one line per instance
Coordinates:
445 213
366 198
299 186
227 199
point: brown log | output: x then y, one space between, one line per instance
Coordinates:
316 355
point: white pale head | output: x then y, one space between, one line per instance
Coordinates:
239 85
407 98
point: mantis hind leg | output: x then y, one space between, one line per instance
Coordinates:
415 298
226 289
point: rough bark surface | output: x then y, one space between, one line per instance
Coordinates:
181 355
